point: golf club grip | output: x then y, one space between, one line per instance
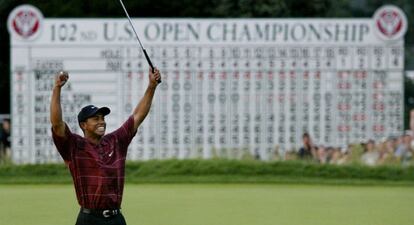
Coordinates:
149 62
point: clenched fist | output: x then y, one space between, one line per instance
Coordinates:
154 77
60 78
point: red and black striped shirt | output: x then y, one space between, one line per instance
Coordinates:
98 171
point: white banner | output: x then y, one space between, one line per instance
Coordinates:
231 87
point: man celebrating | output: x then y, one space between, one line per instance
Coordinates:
97 161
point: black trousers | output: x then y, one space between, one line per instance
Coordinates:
90 219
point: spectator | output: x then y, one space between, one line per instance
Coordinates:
344 155
5 140
290 155
322 154
411 122
347 152
370 156
307 151
336 157
387 150
411 130
404 152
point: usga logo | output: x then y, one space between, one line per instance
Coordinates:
25 22
390 23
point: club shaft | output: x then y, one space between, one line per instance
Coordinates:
139 41
132 25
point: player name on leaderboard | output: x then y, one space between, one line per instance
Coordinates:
231 87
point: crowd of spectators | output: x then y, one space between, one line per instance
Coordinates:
393 150
398 150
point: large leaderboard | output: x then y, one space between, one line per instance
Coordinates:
230 86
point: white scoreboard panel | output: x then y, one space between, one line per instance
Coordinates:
229 86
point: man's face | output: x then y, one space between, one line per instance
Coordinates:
94 125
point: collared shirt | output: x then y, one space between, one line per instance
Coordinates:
97 170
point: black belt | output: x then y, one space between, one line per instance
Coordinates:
102 212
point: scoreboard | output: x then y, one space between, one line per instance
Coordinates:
231 87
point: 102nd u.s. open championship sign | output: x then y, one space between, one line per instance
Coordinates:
230 86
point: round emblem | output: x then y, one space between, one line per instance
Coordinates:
390 22
25 22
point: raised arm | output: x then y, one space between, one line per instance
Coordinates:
58 125
143 107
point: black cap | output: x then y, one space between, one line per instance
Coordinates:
91 110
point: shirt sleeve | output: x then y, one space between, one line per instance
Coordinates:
125 133
63 144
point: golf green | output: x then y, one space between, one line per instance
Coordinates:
220 204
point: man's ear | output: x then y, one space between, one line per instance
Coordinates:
82 125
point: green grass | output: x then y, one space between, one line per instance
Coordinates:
220 204
223 171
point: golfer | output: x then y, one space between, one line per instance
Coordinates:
97 161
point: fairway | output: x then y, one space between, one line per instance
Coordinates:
216 204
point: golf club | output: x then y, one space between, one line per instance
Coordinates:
139 41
